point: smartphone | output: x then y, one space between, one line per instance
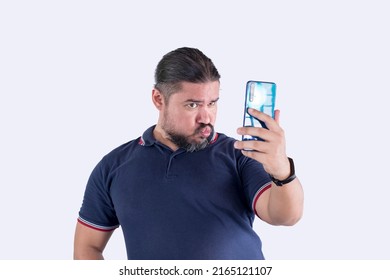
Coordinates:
260 96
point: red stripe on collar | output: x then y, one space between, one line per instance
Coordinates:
214 139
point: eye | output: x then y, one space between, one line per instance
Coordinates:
192 105
213 103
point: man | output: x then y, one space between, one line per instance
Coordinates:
183 191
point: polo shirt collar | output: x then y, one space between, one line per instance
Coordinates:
147 138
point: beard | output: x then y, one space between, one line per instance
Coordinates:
186 143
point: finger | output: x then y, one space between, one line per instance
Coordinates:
263 133
269 121
253 145
277 116
260 157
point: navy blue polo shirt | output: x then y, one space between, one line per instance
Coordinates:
177 205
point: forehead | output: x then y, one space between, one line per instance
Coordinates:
197 91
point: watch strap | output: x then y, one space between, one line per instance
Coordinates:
290 178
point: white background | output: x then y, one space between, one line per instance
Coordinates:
76 80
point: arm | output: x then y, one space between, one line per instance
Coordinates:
277 205
281 205
89 243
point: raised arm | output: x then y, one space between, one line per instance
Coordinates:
277 205
281 205
89 243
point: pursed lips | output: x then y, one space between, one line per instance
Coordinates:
205 130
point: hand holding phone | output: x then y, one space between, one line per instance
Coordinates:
259 96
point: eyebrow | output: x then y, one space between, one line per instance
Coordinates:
199 101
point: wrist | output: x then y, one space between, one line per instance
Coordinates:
288 179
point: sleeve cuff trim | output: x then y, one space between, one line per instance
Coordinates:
258 194
95 226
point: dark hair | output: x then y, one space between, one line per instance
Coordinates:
183 65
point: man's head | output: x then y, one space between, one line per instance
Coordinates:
186 94
183 65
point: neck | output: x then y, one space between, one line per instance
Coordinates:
160 135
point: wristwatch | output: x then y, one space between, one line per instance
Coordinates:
292 176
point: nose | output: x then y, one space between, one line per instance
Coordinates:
204 115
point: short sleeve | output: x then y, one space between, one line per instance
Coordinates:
97 210
254 178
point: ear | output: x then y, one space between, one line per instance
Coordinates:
158 99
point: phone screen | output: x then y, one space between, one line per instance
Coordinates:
260 96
